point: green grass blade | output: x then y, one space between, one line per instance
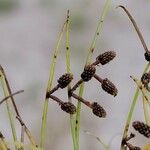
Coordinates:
98 30
49 85
88 60
68 68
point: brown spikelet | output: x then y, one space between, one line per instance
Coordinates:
147 55
98 110
109 87
145 79
142 128
64 80
106 57
88 72
68 107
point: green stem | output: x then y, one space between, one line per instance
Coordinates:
88 60
68 65
98 30
9 111
49 85
130 114
146 114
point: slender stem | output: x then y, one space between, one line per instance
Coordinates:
146 114
87 103
68 65
130 113
8 106
49 85
98 30
88 60
52 91
136 27
76 85
77 125
98 139
98 78
56 99
8 92
28 133
6 98
22 137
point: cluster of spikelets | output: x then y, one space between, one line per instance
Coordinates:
143 129
139 126
88 73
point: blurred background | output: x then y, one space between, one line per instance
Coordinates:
28 33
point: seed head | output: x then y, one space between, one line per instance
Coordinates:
64 80
98 110
142 128
145 79
109 87
106 57
147 55
68 107
88 72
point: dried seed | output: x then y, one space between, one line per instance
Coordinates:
145 79
98 110
147 55
64 80
142 128
106 57
88 72
109 87
68 107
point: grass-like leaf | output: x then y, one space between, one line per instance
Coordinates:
49 86
88 60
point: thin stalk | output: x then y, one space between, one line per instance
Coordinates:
135 27
130 114
68 65
98 30
9 93
6 98
88 60
49 85
9 110
146 114
22 137
106 147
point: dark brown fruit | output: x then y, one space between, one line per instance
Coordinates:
142 128
98 110
109 87
106 57
145 79
88 72
68 107
147 55
64 80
